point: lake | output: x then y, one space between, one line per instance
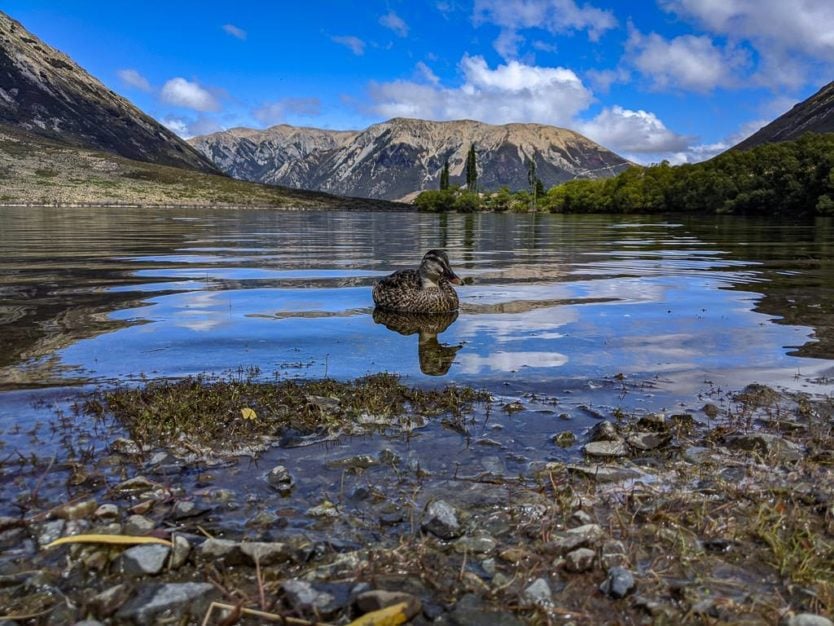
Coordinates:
638 313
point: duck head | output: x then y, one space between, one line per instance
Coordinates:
435 267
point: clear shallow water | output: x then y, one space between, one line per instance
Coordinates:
552 303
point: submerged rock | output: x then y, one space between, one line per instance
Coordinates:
280 479
619 584
441 519
604 431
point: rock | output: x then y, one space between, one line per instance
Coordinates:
225 549
77 510
125 446
49 531
647 440
138 525
325 509
653 422
441 519
710 410
377 599
585 536
564 439
169 603
757 395
766 444
325 599
388 457
280 479
88 622
537 594
698 455
513 407
606 449
480 543
580 560
592 412
107 512
604 431
184 509
107 602
180 551
267 553
353 463
604 473
807 619
144 559
471 610
619 584
581 518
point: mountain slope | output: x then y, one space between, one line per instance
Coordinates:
45 92
401 156
814 115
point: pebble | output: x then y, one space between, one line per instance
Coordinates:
580 560
50 531
267 553
107 512
225 549
613 554
138 525
108 601
619 584
604 473
604 431
174 599
77 510
585 536
138 484
480 543
180 551
564 439
648 441
184 509
606 449
807 619
441 519
325 599
144 559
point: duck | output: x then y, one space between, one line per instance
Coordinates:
426 290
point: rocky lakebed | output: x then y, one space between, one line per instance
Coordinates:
208 500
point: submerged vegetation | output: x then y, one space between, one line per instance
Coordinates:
789 179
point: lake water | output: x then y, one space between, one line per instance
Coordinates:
640 312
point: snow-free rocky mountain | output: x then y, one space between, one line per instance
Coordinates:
395 159
813 115
44 92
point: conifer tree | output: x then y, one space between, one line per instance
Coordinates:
444 176
471 169
532 179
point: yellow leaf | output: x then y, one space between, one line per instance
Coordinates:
389 616
124 540
248 414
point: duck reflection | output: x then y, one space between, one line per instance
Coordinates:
435 358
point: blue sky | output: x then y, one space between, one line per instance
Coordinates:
674 79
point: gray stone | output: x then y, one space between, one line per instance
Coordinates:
354 463
471 610
441 519
145 559
107 512
225 549
267 553
807 619
180 551
648 441
138 484
389 457
580 560
766 444
169 603
139 525
604 431
88 622
613 554
585 536
537 593
619 584
107 602
581 518
325 599
653 421
480 543
564 439
604 473
605 449
188 508
280 479
77 510
49 531
698 455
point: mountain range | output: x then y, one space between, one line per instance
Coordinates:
396 159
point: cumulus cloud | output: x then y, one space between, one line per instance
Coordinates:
134 79
394 22
686 62
554 16
426 73
234 31
189 127
789 37
183 93
513 92
356 45
277 112
626 131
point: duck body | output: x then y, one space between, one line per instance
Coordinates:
426 290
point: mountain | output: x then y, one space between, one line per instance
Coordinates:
397 158
44 92
814 115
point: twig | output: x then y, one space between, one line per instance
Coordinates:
272 617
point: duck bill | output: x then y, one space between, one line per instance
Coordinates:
454 278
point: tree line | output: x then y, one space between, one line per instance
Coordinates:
791 178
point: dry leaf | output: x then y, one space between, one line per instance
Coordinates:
123 540
248 414
389 616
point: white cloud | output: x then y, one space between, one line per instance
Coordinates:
789 37
134 79
277 112
177 125
356 45
626 131
686 62
394 22
513 92
234 31
554 16
181 92
425 72
187 128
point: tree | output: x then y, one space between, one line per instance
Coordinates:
444 176
471 169
532 179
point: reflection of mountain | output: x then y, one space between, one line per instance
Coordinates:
797 265
435 358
